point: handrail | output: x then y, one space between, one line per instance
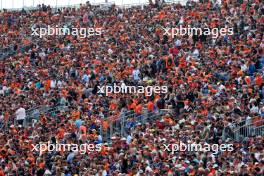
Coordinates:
35 113
252 123
122 125
248 129
234 124
132 112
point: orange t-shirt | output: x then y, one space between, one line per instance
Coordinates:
161 15
2 172
259 80
61 133
138 109
105 125
76 115
150 106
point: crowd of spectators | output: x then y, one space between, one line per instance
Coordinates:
212 83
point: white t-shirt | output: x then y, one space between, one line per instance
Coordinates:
1 118
136 74
178 42
129 139
21 114
53 83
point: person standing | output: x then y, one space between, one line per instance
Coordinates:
20 115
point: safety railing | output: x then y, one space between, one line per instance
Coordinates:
249 130
9 51
33 115
44 110
244 129
127 121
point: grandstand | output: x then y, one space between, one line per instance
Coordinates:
31 4
49 88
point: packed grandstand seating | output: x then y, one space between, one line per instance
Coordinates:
215 90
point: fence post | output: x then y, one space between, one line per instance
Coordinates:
111 129
224 134
236 135
122 125
145 115
101 132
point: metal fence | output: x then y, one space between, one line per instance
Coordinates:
33 115
244 129
9 51
121 127
127 121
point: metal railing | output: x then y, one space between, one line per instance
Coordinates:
122 126
44 110
127 121
244 129
250 130
9 51
34 114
